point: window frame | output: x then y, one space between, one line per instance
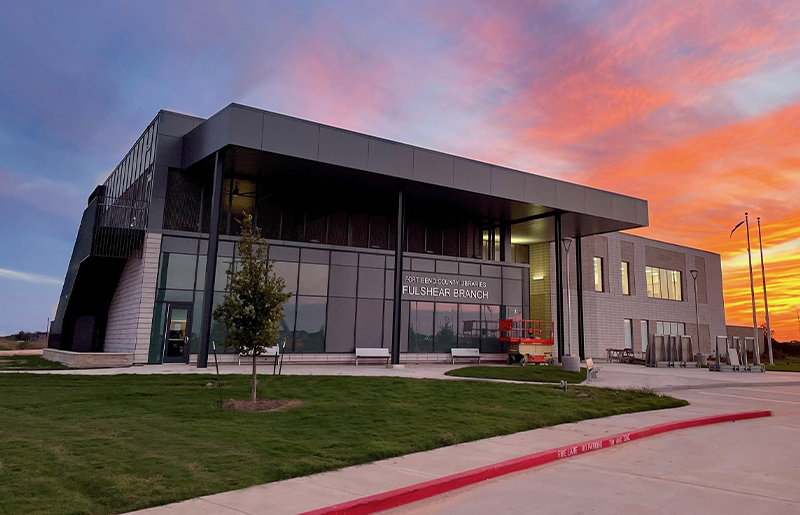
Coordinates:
664 283
598 287
625 272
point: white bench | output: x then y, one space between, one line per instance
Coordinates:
468 353
591 370
371 352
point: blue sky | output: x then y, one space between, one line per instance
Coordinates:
606 93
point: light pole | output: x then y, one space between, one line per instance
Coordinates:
694 273
567 245
756 360
569 362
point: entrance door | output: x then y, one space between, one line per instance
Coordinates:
177 331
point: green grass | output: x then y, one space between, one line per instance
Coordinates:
29 363
540 373
110 444
786 364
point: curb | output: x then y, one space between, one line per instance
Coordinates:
420 491
724 385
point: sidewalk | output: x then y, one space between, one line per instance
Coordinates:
610 375
302 494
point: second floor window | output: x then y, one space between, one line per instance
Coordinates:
598 274
664 284
626 280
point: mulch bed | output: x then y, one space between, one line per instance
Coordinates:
260 406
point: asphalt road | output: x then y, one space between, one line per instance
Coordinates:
748 467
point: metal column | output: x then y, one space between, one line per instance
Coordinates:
579 286
505 244
559 287
397 303
211 264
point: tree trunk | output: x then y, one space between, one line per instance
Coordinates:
255 380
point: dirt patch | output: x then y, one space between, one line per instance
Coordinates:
260 406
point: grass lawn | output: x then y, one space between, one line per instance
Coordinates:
29 363
110 444
787 364
540 373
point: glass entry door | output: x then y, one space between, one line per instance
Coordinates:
177 331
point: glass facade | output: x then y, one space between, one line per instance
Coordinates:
340 300
664 284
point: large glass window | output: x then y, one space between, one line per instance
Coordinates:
626 280
177 271
378 232
628 333
445 323
309 335
469 325
598 274
286 329
221 274
490 329
359 229
433 240
645 335
671 328
313 279
288 272
664 284
242 203
337 228
316 226
420 330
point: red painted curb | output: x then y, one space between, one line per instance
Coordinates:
413 493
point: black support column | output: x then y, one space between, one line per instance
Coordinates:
211 264
505 244
559 287
397 302
579 275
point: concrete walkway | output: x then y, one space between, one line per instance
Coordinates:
303 494
610 375
742 467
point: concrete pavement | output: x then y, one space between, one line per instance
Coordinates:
673 456
743 467
611 375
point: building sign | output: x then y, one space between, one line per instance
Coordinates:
451 288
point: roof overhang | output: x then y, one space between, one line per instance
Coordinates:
342 157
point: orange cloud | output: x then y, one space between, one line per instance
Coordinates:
699 189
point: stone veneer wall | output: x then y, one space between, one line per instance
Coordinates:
131 312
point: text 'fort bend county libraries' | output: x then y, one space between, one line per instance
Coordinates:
440 287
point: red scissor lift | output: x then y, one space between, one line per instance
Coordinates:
529 341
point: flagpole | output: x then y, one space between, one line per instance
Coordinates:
764 284
752 298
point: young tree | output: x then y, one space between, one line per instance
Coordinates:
253 309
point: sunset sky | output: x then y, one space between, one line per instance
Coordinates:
694 106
